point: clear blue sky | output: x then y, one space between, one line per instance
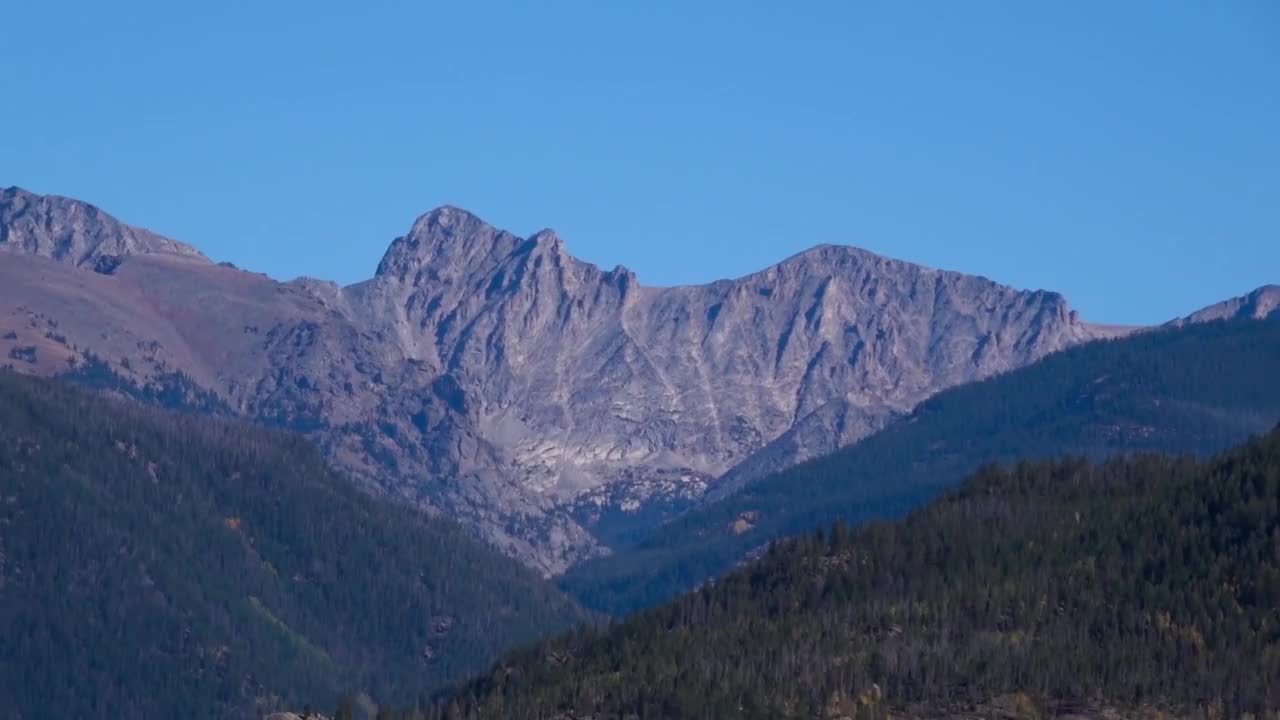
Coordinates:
1124 153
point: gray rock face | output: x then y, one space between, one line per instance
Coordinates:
74 232
1257 305
503 382
841 422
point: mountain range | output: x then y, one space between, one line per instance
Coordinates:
550 405
638 442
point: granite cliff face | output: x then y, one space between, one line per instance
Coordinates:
501 381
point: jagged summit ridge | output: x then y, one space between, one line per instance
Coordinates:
452 238
1260 304
446 236
531 395
75 232
586 376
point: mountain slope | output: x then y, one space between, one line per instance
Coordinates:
1194 389
76 233
1257 305
834 425
157 564
1139 586
287 354
539 399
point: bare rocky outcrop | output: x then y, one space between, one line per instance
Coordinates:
587 378
501 381
1257 305
75 232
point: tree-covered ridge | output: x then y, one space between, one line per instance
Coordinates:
158 564
1141 584
1196 389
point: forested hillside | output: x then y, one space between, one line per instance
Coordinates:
1060 587
1195 389
156 564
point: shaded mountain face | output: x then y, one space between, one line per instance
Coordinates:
160 564
536 397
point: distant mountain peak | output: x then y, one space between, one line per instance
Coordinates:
547 237
1264 301
1259 304
446 219
443 238
836 249
76 232
451 241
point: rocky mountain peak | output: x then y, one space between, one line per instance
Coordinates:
1260 304
548 240
75 232
447 241
825 253
453 246
446 220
